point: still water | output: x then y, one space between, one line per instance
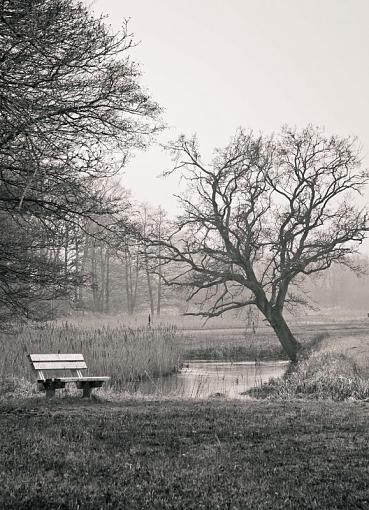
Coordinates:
201 379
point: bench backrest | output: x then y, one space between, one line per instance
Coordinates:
73 362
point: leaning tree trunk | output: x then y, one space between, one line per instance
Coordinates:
289 343
275 318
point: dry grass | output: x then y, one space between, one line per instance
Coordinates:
125 354
321 376
73 454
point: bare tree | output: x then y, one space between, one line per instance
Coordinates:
159 218
262 215
145 227
69 97
152 224
31 270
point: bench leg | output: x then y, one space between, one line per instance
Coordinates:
86 391
50 392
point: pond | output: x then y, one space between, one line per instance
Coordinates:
202 379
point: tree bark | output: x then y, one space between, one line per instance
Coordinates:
158 306
107 280
149 286
66 249
94 280
83 268
134 287
127 280
102 278
274 315
284 334
76 269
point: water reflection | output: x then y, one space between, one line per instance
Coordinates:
201 379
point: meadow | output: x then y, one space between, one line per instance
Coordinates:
68 454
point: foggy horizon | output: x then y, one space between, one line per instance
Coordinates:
214 67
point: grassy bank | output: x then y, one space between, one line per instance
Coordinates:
158 455
123 353
322 375
247 352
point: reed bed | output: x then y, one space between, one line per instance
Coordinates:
232 345
125 354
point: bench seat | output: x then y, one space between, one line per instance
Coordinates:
44 363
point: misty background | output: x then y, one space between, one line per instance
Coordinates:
214 66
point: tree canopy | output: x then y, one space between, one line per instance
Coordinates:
70 98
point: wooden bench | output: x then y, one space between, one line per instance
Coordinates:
43 363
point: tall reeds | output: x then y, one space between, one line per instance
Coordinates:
125 354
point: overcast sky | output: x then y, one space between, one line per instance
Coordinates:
216 65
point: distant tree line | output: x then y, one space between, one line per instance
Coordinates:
118 276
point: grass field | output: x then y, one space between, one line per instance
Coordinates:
180 455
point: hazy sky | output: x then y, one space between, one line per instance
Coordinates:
216 65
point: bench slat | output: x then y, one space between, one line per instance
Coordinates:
98 378
76 379
59 365
56 357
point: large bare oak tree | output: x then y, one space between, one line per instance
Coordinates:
264 214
